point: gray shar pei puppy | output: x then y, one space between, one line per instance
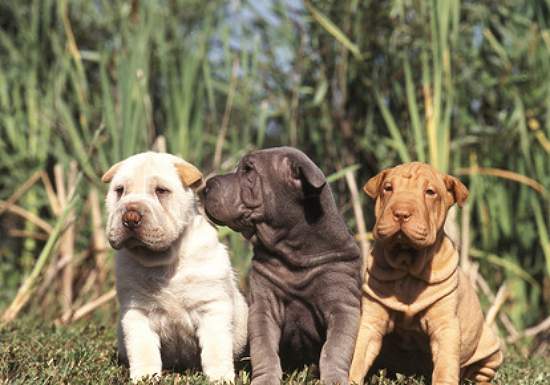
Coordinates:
305 275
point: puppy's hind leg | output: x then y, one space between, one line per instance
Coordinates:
482 372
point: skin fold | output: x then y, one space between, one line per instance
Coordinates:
305 278
419 312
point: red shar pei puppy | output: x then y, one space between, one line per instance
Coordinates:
419 312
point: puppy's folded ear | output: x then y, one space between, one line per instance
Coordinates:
306 175
372 187
457 191
190 175
110 173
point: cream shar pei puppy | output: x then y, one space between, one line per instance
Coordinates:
179 302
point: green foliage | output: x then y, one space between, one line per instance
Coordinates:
460 84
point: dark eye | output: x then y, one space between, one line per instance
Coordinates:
388 188
160 191
119 190
430 192
247 167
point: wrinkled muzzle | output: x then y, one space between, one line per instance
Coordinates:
222 202
406 223
136 223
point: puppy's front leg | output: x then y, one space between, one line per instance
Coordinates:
142 345
337 350
264 336
443 327
216 341
373 325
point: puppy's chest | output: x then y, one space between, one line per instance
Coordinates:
171 306
406 290
408 295
305 283
403 322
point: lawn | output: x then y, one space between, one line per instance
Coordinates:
36 352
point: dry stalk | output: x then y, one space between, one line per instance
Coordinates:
500 299
359 216
16 233
465 262
27 288
505 174
54 267
532 331
508 325
99 241
89 283
21 212
89 307
52 198
20 191
66 246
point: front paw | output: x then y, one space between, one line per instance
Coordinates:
143 373
266 379
334 380
219 371
356 375
227 377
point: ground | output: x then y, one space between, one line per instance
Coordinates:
37 352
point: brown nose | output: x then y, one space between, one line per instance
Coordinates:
401 213
131 218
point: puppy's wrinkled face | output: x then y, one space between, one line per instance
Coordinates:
412 201
236 199
269 186
150 202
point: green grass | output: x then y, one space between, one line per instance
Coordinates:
36 352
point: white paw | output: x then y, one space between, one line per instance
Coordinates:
227 376
137 374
